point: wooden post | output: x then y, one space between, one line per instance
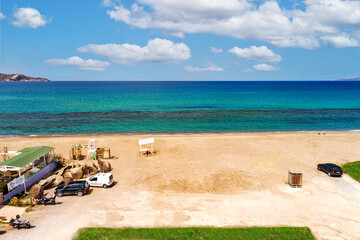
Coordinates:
6 156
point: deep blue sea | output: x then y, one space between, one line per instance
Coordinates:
37 108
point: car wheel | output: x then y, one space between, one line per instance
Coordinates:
80 194
104 186
59 194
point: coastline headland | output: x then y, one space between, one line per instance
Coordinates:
20 78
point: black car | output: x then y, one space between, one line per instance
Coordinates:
330 169
73 188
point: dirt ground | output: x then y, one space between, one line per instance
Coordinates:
236 179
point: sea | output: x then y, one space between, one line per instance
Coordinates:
74 107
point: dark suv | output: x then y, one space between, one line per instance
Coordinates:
73 188
330 169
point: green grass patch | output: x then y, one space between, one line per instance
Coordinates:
352 169
196 233
29 209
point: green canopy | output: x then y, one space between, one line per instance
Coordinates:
26 156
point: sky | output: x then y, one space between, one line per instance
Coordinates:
180 39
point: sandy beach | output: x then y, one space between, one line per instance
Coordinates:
225 179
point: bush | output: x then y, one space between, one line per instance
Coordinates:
3 187
14 202
29 209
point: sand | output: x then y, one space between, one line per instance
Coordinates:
227 179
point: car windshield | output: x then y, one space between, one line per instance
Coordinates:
333 166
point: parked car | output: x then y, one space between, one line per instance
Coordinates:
101 180
330 169
73 188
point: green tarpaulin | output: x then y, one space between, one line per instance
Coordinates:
27 156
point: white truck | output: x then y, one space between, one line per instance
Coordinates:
101 180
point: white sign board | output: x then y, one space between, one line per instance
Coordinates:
16 182
146 141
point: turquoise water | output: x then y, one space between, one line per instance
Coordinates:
117 107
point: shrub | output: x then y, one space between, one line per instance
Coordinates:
3 187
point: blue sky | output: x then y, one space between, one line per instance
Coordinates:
181 39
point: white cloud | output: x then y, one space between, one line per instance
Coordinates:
107 3
309 26
262 68
177 34
81 64
157 50
341 41
216 50
2 16
209 67
28 17
262 54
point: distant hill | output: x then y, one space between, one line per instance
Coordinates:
19 78
349 79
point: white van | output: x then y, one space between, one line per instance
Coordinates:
101 180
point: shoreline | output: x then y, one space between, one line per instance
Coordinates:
166 134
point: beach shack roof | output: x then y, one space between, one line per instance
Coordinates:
26 156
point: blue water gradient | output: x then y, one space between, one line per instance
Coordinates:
130 107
